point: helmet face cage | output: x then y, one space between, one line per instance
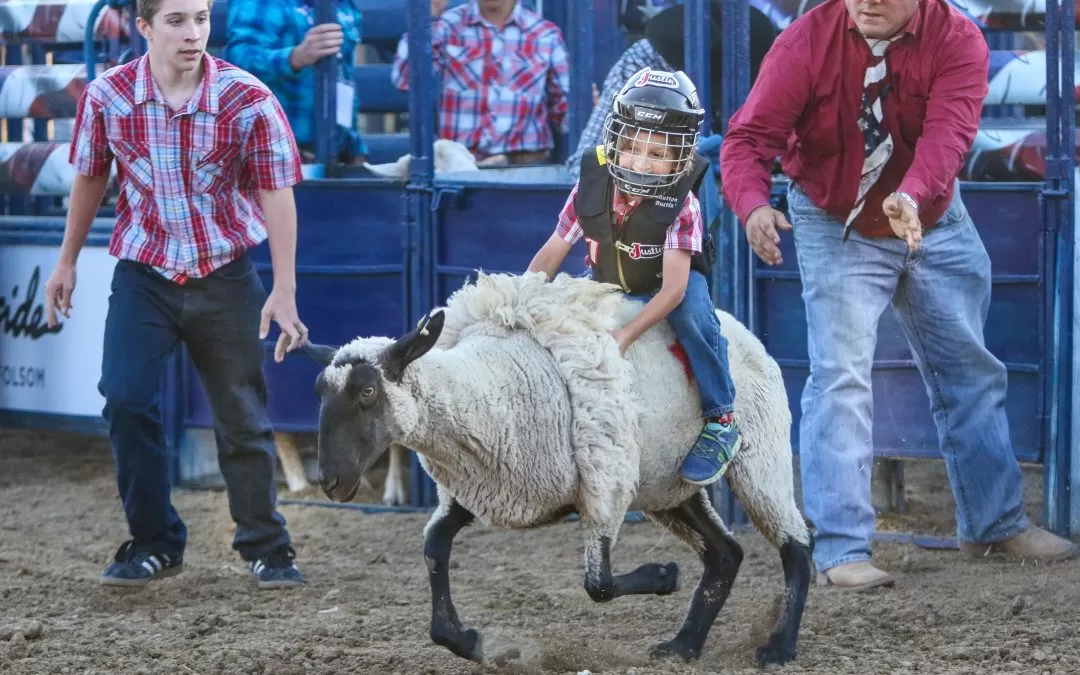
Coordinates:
644 161
652 132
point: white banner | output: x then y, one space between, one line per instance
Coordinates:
52 370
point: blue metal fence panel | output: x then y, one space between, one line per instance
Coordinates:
483 227
351 271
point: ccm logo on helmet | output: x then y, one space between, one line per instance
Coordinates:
641 114
657 79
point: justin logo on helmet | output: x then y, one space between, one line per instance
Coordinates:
657 79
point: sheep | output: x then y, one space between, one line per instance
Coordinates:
523 412
288 444
448 156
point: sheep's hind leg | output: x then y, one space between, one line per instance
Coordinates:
721 556
446 628
764 486
602 585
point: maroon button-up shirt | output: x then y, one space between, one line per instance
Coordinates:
805 103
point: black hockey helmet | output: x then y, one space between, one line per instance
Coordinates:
653 108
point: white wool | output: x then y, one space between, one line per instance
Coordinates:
364 350
605 437
449 156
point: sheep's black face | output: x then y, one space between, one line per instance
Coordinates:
355 428
356 418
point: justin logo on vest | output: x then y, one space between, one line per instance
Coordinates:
639 251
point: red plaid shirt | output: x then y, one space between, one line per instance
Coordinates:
189 179
502 89
685 233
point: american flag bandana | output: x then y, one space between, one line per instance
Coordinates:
877 142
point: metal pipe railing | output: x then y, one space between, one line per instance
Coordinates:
697 22
1060 504
89 52
581 47
326 95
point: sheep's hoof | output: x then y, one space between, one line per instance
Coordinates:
465 643
669 578
773 654
674 648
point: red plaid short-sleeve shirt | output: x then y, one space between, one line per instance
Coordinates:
685 233
189 179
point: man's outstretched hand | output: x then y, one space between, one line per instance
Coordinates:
904 220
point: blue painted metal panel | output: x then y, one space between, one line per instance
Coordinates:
377 93
18 419
384 148
48 231
484 227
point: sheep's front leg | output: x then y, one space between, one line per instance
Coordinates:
721 556
446 628
602 585
394 491
292 465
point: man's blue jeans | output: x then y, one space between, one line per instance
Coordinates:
217 318
698 331
941 294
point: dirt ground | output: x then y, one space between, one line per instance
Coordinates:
366 606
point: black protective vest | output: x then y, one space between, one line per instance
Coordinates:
632 257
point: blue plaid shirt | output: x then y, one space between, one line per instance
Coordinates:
262 34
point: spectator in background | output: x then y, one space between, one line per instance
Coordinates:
505 74
663 49
278 42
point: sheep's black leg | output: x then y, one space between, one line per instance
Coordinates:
602 585
781 647
446 628
722 557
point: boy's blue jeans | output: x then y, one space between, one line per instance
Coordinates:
698 331
217 319
941 294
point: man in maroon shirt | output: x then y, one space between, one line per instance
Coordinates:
871 105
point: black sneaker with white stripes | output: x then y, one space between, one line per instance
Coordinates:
276 569
134 567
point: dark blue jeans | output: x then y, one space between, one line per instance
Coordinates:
698 331
217 319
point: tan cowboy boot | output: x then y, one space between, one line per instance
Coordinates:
1033 543
855 576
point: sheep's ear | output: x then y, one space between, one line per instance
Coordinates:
320 354
412 345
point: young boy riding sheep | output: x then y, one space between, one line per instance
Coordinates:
635 206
